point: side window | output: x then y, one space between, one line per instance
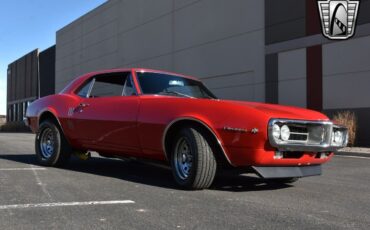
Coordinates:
128 88
108 85
85 89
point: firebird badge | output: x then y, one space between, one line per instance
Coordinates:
338 18
239 130
254 131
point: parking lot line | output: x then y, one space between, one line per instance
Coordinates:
21 169
42 185
65 204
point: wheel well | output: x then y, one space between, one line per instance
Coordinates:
177 126
48 116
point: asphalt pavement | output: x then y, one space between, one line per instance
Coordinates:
113 194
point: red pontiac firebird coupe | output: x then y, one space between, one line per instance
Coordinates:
173 118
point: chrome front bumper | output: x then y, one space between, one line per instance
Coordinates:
312 136
26 121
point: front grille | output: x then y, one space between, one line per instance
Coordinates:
298 133
311 133
292 155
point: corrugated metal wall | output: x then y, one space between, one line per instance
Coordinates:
23 78
29 78
47 71
22 84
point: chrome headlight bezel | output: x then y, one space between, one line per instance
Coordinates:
339 131
276 132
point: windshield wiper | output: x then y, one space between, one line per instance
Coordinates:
170 92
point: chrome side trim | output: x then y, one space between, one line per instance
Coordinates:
325 146
198 121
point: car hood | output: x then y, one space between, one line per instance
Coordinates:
280 111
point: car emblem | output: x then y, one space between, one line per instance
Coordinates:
338 18
254 131
239 130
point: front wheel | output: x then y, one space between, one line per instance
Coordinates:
52 149
193 162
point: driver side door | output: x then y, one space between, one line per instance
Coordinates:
106 118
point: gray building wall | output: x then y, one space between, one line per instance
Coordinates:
292 78
347 70
285 20
211 39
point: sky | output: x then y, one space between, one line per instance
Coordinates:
29 24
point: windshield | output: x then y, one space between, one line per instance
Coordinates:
165 84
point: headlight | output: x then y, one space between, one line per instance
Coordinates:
285 133
338 137
276 131
280 134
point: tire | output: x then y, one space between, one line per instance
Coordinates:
52 149
193 162
290 180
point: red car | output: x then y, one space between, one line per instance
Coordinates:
173 118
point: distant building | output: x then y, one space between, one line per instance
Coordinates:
269 51
29 78
2 119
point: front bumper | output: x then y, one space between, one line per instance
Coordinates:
287 172
240 157
26 121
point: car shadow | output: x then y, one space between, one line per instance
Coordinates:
152 174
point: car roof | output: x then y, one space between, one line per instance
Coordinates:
79 80
140 70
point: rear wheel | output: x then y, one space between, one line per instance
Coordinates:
52 149
193 162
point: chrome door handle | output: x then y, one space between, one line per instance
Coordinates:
83 105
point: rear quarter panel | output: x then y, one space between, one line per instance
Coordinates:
58 105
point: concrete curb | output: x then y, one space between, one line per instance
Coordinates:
356 154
